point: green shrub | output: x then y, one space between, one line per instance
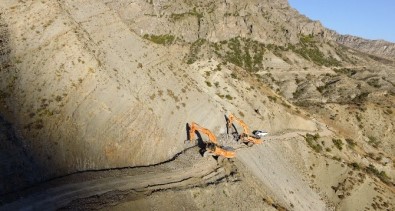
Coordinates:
345 71
194 50
216 84
228 97
373 141
220 95
380 174
233 75
336 158
350 142
272 98
164 39
355 166
242 52
307 48
176 17
312 141
338 143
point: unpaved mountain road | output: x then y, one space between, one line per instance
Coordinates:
265 162
280 178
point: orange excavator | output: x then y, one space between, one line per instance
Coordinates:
193 127
245 137
212 147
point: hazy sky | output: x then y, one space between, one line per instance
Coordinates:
371 19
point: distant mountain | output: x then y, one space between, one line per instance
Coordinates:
380 48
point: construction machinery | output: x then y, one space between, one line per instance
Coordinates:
193 127
244 137
212 147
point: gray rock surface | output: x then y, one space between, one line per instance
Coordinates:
379 48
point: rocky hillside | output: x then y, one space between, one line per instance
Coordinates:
378 48
269 22
98 85
85 94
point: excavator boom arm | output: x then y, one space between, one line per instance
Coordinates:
195 127
232 118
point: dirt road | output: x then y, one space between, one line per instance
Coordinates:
280 178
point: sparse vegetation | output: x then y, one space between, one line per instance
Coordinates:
358 117
164 39
312 141
307 48
216 84
351 143
3 95
208 84
233 75
355 166
361 98
380 174
374 82
242 52
58 98
228 97
373 141
338 143
193 12
194 50
220 95
336 158
172 95
321 89
272 98
345 71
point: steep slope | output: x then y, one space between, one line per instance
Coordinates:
84 92
99 85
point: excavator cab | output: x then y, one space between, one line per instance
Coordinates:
244 137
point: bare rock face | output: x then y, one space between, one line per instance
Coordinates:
265 21
379 48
